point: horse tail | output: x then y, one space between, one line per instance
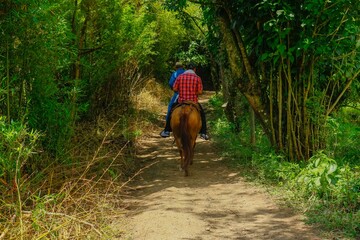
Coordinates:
186 139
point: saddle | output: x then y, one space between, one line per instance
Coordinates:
190 103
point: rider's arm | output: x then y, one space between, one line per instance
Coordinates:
175 87
172 79
199 90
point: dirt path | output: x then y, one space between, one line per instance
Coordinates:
214 202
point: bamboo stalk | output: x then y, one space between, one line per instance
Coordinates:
271 97
280 101
8 80
289 124
348 84
307 124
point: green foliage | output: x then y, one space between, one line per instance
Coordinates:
323 178
332 192
176 5
234 144
343 131
39 53
347 190
17 145
137 34
319 176
335 190
267 166
308 51
62 64
194 54
171 36
68 61
335 220
216 101
194 47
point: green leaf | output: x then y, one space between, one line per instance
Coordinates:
264 56
332 168
281 48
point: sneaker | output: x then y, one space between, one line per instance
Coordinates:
165 134
204 136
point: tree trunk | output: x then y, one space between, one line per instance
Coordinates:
237 56
252 127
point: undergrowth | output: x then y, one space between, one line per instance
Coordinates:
78 197
326 188
76 200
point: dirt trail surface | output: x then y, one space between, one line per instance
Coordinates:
214 202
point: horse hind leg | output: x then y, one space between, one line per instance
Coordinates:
186 172
181 165
186 169
192 154
186 166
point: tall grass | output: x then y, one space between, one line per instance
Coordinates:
77 200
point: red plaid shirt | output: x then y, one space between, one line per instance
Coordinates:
188 84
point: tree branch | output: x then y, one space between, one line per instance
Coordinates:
206 3
86 51
330 109
194 20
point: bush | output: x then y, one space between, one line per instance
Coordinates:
319 176
335 189
343 136
326 180
17 146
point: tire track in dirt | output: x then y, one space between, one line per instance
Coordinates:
214 202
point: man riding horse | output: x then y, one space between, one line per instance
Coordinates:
189 86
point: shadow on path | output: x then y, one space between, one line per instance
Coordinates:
214 202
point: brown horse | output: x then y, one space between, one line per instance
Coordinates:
186 123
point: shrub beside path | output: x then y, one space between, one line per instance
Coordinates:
214 202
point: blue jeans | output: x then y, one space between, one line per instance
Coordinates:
172 101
